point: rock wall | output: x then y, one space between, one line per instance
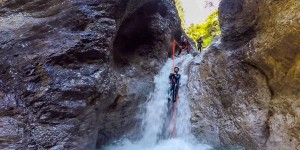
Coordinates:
73 73
245 87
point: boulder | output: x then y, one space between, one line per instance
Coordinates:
73 74
245 87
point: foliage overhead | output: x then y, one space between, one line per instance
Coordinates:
208 30
181 13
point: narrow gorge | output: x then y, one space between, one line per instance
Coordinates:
84 74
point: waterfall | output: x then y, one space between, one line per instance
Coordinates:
157 120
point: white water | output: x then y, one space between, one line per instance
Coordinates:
154 135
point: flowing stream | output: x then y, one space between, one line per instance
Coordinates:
158 125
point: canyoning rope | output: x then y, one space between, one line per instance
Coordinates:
174 112
174 117
173 55
174 44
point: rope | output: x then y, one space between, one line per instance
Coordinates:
173 54
174 117
174 43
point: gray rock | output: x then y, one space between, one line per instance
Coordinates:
245 87
71 71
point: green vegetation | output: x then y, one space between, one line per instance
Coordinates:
209 30
181 13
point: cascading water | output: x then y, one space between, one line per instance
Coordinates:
157 120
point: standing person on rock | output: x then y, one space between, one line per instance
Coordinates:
174 81
200 42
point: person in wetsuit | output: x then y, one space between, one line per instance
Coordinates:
174 82
185 45
200 42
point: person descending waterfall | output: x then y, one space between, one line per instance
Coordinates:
184 45
165 125
200 42
174 82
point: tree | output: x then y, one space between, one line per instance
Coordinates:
181 13
208 30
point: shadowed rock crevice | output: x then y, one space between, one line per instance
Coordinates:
264 74
115 103
79 56
135 38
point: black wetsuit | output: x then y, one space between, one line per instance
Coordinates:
200 42
174 81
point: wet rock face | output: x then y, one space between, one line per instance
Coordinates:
276 52
73 73
245 87
237 18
